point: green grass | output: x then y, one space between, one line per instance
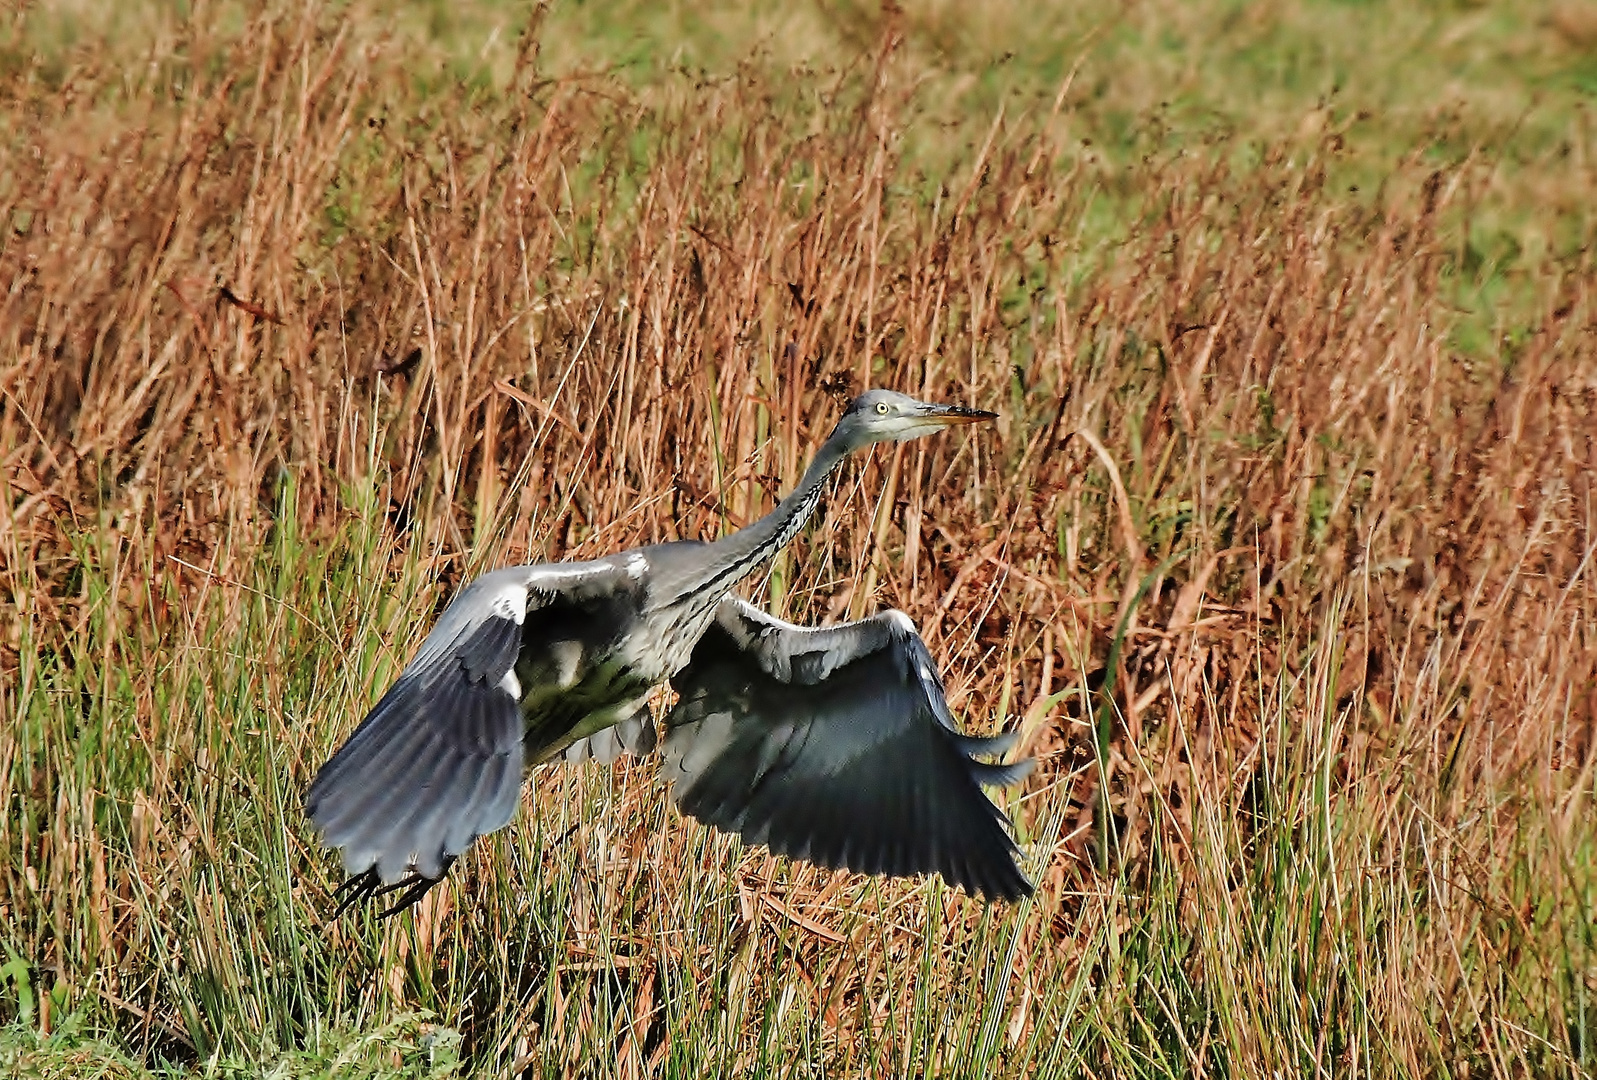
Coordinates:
607 922
1281 556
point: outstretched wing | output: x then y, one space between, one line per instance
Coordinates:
836 746
438 760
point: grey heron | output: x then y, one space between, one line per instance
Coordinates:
832 745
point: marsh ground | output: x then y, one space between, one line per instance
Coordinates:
1281 556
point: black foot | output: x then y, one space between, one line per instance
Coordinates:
366 886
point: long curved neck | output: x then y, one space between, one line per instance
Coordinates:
732 558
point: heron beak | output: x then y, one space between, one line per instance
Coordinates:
951 415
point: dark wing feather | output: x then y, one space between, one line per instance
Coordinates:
836 746
438 760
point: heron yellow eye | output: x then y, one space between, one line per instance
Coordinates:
881 408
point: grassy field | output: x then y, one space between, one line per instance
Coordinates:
1281 555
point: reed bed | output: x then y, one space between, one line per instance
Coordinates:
1290 592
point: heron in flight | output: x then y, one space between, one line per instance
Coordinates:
832 745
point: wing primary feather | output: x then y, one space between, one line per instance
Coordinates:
385 722
914 844
430 827
943 845
408 792
462 829
986 745
711 794
507 795
1006 775
848 827
991 865
362 781
377 778
902 818
491 810
384 827
879 818
437 797
960 871
475 812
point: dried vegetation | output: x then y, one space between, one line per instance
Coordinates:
1294 600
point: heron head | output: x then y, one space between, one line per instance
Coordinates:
882 415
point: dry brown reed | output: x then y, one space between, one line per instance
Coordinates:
1245 494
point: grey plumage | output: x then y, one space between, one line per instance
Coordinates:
831 745
836 746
